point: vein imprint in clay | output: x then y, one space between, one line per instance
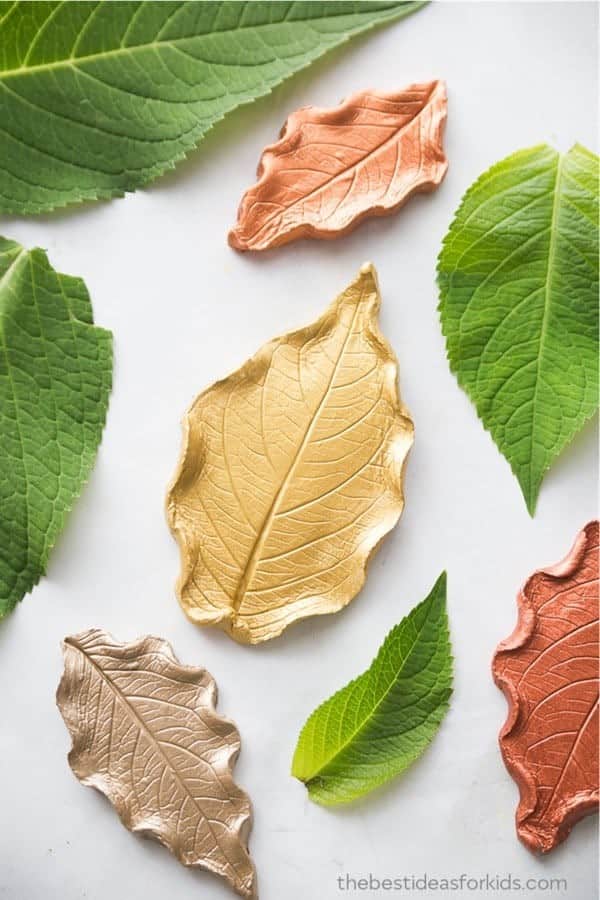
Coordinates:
332 168
548 670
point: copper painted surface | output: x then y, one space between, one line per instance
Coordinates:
548 670
291 474
145 733
332 168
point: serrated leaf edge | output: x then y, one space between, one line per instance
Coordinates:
156 171
86 475
531 501
437 715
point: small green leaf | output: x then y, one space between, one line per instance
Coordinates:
100 98
518 278
55 379
377 725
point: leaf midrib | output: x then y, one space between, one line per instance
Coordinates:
71 642
254 557
344 171
10 268
532 493
582 730
366 721
73 62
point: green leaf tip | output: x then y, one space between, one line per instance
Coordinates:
55 380
98 99
377 725
518 283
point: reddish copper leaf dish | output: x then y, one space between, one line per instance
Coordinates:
332 168
548 670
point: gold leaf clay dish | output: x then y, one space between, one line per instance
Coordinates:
291 474
146 734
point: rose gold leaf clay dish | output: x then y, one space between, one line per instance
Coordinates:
548 670
334 167
146 734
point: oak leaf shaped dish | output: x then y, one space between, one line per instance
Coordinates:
548 670
332 168
146 734
291 474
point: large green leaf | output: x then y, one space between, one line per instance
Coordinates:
100 98
55 378
380 723
518 277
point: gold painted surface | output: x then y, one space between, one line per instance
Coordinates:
291 474
332 168
146 734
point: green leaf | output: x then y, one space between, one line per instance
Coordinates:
518 278
377 725
100 98
55 379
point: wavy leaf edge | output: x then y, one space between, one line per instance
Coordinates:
287 139
519 639
195 675
403 431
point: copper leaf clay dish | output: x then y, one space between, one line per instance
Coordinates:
146 734
548 670
291 474
332 168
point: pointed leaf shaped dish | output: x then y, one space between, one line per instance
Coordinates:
291 474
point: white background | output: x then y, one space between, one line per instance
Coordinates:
185 310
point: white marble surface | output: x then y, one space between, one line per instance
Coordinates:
185 310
